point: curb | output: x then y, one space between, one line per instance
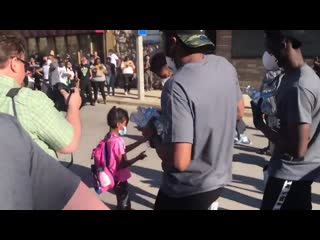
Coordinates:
247 111
130 103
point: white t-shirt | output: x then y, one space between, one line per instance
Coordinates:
126 70
63 75
114 59
45 69
71 73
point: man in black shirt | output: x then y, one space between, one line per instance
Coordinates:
84 73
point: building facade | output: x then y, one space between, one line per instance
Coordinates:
73 42
243 48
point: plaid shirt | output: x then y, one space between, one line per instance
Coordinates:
38 116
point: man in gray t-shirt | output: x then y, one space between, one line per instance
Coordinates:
295 162
33 180
199 112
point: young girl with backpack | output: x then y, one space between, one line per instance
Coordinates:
118 119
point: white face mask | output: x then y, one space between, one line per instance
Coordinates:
163 80
171 64
49 61
270 62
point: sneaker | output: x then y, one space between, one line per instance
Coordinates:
243 140
126 93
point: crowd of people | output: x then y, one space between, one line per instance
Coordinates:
91 75
199 123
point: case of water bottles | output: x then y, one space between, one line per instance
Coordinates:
144 115
268 105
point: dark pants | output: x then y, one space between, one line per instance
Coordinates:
111 84
281 196
240 127
200 201
127 82
37 83
123 198
100 86
147 80
45 86
86 89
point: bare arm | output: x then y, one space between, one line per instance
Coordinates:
136 144
299 136
127 163
73 117
177 155
39 71
240 109
84 199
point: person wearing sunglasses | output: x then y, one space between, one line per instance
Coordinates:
34 110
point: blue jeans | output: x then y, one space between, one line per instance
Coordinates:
111 83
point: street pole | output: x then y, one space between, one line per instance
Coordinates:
140 68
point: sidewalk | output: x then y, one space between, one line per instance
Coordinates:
152 99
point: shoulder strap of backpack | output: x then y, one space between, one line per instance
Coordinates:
12 93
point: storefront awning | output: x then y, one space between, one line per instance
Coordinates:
53 33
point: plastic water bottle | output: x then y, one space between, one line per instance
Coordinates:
142 117
253 93
267 95
136 118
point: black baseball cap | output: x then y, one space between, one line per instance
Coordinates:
298 35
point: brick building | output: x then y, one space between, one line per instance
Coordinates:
244 49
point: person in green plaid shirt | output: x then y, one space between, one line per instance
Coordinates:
50 129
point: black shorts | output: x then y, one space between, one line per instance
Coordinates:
200 201
287 195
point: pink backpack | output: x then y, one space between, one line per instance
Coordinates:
102 176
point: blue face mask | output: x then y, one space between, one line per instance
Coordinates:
123 131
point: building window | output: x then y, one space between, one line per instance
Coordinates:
73 46
250 44
84 43
43 46
61 46
247 43
311 47
32 46
97 45
51 45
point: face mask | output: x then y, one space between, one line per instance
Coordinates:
123 131
269 62
163 80
171 64
49 62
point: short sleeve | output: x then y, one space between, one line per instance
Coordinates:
52 184
52 126
31 179
298 106
119 147
181 121
15 185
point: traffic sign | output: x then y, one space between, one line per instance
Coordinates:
143 33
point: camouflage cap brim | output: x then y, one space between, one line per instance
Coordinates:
195 41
